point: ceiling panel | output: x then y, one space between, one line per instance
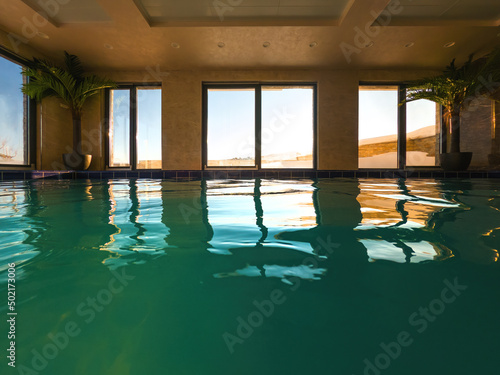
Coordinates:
164 11
445 10
248 12
478 12
74 11
310 11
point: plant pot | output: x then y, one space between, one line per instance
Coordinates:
455 161
77 162
494 160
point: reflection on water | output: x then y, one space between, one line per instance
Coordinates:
267 224
19 228
353 258
135 213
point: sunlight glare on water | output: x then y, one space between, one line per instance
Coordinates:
252 276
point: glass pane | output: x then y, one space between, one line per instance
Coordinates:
422 119
119 128
287 127
231 128
378 127
13 115
149 128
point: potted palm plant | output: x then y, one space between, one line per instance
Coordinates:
73 87
455 89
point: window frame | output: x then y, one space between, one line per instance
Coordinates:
31 131
258 86
132 87
401 126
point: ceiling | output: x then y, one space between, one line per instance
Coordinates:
166 12
145 35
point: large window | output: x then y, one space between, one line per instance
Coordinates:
259 126
393 135
422 133
378 127
14 115
287 127
134 131
231 127
119 128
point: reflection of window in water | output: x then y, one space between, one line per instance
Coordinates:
239 218
286 274
20 225
136 212
395 220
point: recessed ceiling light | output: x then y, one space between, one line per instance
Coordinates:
449 44
42 35
175 45
408 45
370 44
266 44
221 44
313 44
108 46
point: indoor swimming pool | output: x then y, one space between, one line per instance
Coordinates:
258 276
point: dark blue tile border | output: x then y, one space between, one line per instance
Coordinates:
283 174
15 176
195 175
95 175
169 174
220 175
425 174
247 174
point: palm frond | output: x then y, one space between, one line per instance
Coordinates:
73 66
456 84
90 86
69 84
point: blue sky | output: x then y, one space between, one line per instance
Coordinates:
231 124
148 125
11 109
287 118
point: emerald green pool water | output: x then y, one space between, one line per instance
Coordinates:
334 276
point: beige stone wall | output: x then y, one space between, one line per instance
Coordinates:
476 131
337 114
55 133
